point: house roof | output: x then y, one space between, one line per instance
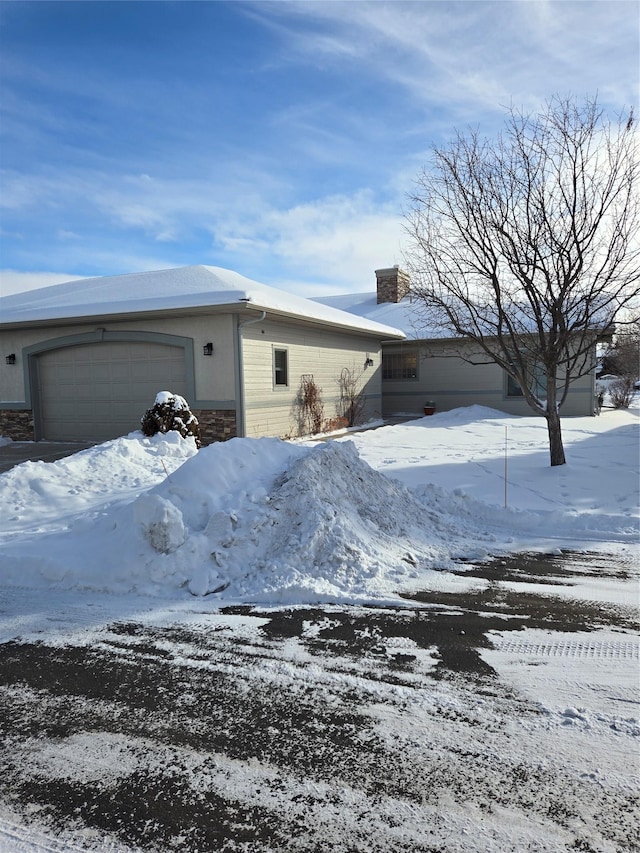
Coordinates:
409 316
194 287
403 315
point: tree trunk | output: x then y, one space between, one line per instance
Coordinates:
556 447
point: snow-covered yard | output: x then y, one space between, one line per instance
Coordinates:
301 646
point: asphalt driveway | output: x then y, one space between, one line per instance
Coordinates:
16 452
303 730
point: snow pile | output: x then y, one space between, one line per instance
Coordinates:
265 520
254 519
329 527
41 496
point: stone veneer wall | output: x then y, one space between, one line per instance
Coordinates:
17 424
216 425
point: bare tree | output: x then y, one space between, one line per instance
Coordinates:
622 357
526 247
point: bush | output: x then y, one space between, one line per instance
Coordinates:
621 391
171 412
310 406
352 400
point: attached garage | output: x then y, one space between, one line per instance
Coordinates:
98 391
84 360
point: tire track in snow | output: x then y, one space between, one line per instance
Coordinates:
576 649
19 839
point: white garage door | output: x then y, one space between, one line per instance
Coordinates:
100 391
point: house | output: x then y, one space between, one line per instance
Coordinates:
424 366
85 359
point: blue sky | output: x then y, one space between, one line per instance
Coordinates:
278 139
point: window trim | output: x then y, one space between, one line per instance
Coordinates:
276 351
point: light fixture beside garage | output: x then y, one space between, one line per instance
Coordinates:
207 349
11 358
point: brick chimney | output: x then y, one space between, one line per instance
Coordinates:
392 284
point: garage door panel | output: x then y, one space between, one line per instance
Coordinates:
66 373
139 374
82 373
122 372
120 414
101 371
79 411
100 391
66 392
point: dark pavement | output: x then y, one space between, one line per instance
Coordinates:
38 451
15 452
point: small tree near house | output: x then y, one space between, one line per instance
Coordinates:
309 405
352 401
170 412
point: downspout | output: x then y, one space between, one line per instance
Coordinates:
240 410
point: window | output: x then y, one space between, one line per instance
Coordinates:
400 365
280 367
537 384
513 388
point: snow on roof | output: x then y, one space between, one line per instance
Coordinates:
408 315
161 290
401 315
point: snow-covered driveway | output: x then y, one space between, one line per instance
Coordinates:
499 718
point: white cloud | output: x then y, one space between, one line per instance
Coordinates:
470 58
14 281
336 241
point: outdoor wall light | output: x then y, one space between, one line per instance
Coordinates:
11 359
207 349
368 362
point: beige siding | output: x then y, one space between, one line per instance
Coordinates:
270 409
12 376
451 382
214 376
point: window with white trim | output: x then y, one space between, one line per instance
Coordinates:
280 367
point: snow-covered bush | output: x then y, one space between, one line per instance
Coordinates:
171 412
